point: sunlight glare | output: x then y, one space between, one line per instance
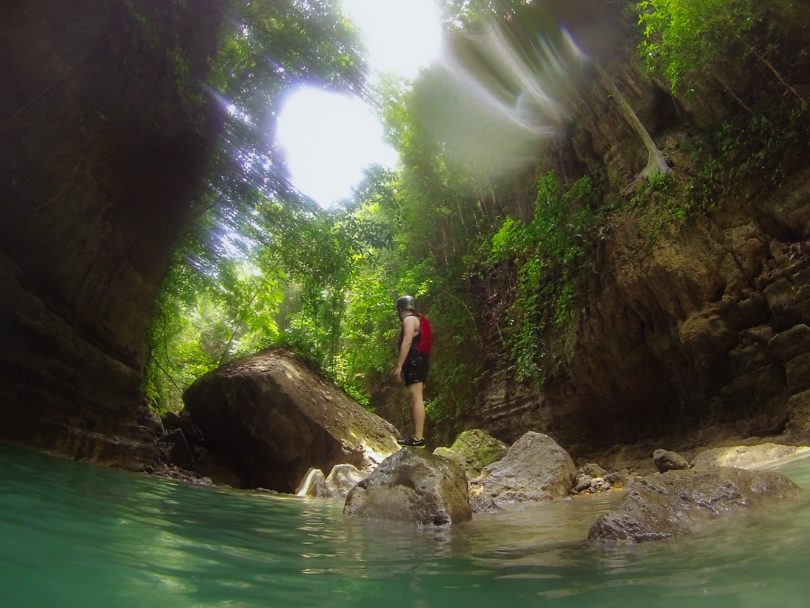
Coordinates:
329 139
401 36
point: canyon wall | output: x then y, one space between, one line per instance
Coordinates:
106 144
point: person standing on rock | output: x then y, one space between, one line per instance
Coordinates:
413 363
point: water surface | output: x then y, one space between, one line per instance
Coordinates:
73 534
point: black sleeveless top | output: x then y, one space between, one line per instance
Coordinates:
416 336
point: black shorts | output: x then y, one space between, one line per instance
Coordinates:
416 368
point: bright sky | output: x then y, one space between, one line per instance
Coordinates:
330 139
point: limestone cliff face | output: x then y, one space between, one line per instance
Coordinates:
709 326
705 325
101 159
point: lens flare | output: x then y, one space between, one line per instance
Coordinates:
495 97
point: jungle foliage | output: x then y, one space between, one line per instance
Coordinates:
752 55
550 253
498 264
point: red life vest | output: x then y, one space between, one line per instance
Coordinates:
423 341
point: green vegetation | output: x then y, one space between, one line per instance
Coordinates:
696 43
747 52
550 253
498 263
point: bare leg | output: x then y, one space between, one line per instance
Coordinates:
417 410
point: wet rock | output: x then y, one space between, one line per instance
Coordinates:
342 479
666 460
680 502
591 479
412 486
535 468
600 484
313 485
747 456
274 418
338 484
473 450
480 503
175 473
582 484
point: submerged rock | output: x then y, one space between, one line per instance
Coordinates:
679 502
748 456
412 486
473 450
535 468
274 418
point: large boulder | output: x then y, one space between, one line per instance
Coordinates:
412 486
679 502
275 418
535 468
473 450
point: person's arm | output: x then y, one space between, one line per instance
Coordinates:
409 326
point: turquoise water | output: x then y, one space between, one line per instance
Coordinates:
73 534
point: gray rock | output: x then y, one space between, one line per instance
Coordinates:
583 483
412 486
748 456
591 478
666 460
535 468
680 502
274 417
600 484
